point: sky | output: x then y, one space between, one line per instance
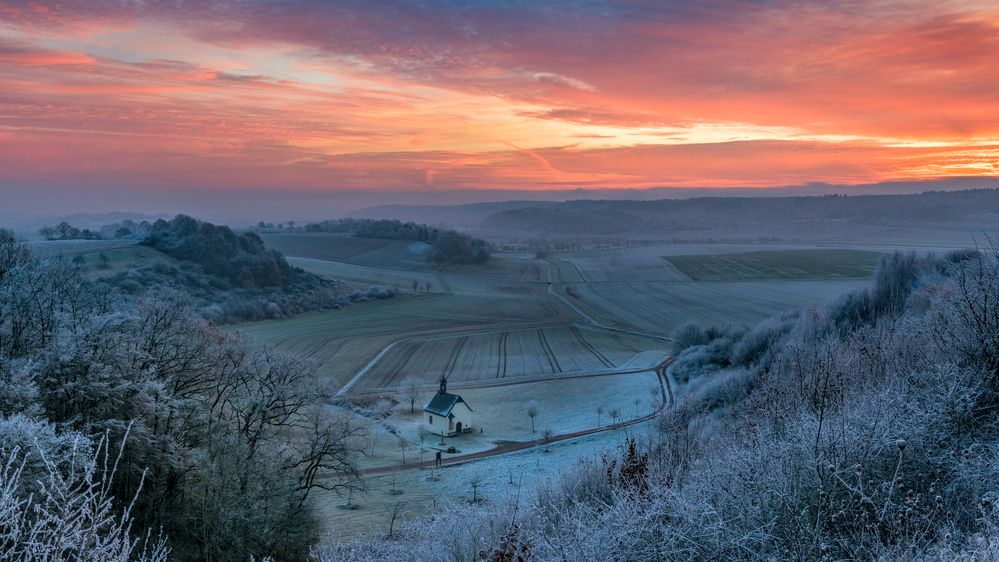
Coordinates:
310 96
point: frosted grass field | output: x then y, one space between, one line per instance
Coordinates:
778 264
498 324
506 354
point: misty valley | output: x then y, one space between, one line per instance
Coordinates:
360 388
497 281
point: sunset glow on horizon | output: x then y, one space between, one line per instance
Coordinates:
496 95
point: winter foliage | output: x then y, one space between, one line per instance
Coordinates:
220 444
71 513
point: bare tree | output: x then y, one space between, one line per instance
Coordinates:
274 391
394 512
474 482
600 413
403 445
532 412
546 438
12 252
330 445
411 391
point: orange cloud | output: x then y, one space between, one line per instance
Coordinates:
614 95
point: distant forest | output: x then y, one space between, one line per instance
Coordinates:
449 246
231 277
241 259
588 218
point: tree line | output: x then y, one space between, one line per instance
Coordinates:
66 231
449 246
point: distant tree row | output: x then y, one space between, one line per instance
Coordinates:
124 230
66 231
127 229
450 246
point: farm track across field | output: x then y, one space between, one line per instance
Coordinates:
552 360
589 347
501 351
453 359
594 322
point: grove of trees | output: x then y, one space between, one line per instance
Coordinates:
228 277
222 443
66 231
449 246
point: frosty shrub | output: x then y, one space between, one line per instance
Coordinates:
72 515
47 449
464 532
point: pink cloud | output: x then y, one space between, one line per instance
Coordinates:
430 95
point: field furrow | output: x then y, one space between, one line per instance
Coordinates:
501 356
589 347
552 360
512 353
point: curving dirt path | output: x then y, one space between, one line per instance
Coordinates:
504 447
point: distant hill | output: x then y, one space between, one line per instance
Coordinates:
473 216
753 216
459 216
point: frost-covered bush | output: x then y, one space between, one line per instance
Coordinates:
463 532
761 341
46 449
71 515
714 351
720 388
18 391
